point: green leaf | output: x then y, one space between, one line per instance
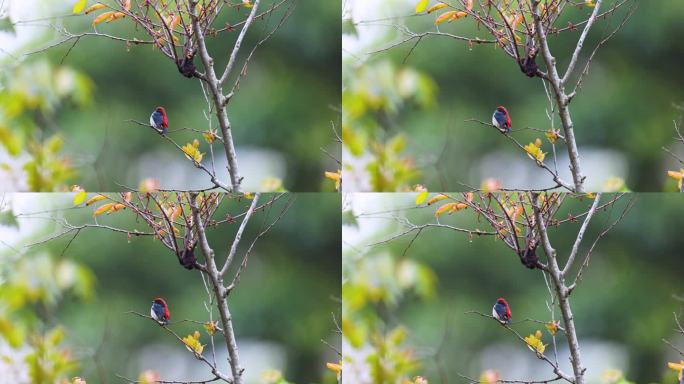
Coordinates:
7 219
348 218
79 6
348 27
6 25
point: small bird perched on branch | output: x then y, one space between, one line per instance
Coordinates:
502 311
159 121
501 119
160 311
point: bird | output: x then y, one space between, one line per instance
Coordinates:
159 121
160 311
501 311
501 119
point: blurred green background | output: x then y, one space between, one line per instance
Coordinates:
281 115
282 308
623 115
418 297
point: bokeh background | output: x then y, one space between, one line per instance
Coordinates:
73 301
417 298
281 115
405 114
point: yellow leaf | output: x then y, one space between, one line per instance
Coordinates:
95 199
336 177
677 368
94 8
436 7
80 194
437 198
589 3
210 327
102 209
209 136
247 4
337 368
78 7
552 327
422 195
193 344
422 6
534 151
192 153
103 17
679 176
676 175
534 342
552 136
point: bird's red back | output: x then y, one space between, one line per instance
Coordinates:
166 307
165 121
505 303
501 107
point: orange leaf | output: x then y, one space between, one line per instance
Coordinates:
127 5
116 207
436 7
176 213
102 17
444 17
174 22
102 209
437 198
95 199
94 8
116 16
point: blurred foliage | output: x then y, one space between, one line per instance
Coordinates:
625 106
372 290
373 96
636 266
285 296
32 286
31 97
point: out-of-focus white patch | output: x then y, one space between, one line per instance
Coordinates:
176 172
179 364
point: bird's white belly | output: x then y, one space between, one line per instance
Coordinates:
494 122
